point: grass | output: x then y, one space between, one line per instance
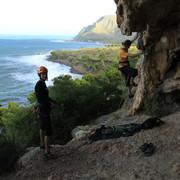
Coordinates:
92 59
95 54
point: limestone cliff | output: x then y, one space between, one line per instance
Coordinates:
160 23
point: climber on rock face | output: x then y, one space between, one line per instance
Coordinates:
124 66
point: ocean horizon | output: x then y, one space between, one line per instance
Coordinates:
20 57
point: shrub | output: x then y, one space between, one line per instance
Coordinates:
86 65
21 124
70 58
96 67
75 63
54 55
157 106
102 64
9 154
82 100
63 55
85 57
9 150
102 56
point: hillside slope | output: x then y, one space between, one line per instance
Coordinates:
113 159
103 30
121 158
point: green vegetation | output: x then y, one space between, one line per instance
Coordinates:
18 128
94 59
88 54
79 101
157 106
123 129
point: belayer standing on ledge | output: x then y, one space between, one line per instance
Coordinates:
44 110
124 66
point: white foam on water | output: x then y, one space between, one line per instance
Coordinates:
28 66
19 61
57 41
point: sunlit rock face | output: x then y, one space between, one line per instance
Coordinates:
160 23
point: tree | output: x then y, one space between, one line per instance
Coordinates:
102 56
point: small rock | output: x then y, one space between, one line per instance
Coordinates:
176 169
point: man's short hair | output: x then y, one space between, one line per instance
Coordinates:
127 43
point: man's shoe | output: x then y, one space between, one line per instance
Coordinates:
131 95
144 147
49 155
147 149
134 84
43 146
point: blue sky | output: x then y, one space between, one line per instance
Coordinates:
51 17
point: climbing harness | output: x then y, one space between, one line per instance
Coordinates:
39 113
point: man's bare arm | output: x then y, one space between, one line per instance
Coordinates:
135 55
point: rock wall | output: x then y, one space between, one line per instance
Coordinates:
160 23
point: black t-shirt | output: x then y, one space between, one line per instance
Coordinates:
42 95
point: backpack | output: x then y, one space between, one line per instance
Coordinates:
151 122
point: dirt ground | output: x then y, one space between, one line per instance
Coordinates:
113 159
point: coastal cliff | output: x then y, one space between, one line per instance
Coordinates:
121 158
159 21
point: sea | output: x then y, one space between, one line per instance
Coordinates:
20 57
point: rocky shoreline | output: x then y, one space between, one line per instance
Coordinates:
76 69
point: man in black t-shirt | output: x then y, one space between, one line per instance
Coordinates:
45 104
